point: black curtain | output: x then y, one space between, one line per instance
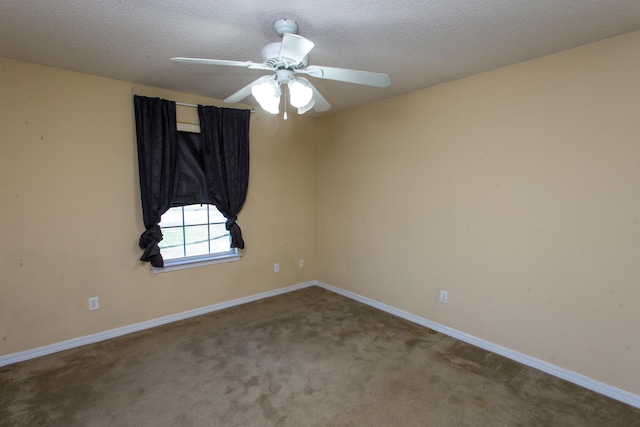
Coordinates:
192 184
225 137
157 144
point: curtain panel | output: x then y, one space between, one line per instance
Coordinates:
156 131
225 137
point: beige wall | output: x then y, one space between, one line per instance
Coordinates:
70 215
517 191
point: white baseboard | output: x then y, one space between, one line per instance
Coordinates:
573 377
556 371
102 336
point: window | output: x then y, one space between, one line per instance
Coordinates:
179 168
195 233
193 230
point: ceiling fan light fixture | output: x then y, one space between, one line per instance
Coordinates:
268 96
301 94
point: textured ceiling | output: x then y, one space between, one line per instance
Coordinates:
419 43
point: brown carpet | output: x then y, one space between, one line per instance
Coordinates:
307 358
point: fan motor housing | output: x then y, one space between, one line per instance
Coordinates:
271 57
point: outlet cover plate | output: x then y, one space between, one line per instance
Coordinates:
444 297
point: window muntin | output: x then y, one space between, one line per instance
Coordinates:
194 231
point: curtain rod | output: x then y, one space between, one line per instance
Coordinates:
184 104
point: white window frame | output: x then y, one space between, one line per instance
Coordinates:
199 260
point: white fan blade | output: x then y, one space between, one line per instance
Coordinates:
344 75
246 91
321 103
244 64
295 47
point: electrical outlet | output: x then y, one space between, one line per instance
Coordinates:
301 263
94 304
276 267
443 297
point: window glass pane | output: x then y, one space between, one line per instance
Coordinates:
172 217
173 252
220 239
172 244
215 215
195 214
197 240
192 231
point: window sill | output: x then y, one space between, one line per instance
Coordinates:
181 264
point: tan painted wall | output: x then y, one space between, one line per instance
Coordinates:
70 215
517 191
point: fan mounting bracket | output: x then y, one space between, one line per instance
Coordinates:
285 26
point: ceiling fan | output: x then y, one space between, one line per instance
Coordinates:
286 59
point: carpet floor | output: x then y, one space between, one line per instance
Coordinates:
305 358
